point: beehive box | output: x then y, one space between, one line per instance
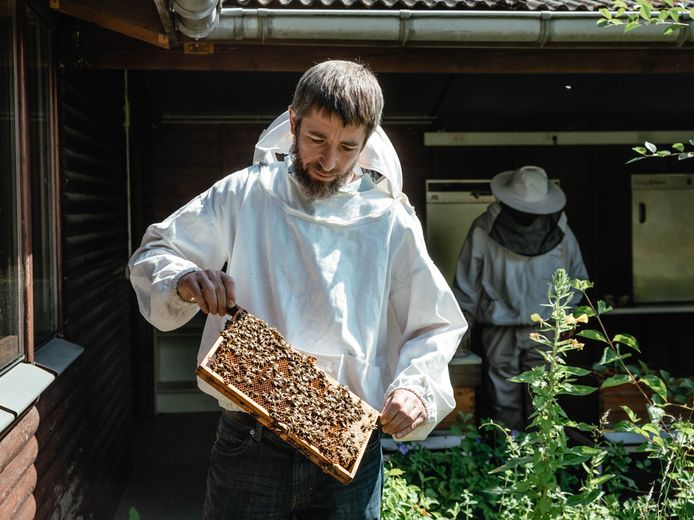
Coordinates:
253 366
613 398
464 402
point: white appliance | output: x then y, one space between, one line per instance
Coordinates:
452 206
662 237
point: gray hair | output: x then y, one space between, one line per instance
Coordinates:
345 88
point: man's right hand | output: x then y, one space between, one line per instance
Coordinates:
213 291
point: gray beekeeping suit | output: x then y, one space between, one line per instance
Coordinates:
502 273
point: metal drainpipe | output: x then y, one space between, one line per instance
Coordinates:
433 28
197 18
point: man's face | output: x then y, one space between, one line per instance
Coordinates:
326 152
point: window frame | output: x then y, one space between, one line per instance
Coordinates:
23 172
16 195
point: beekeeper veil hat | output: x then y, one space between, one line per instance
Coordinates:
378 154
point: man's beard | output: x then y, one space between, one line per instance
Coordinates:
314 189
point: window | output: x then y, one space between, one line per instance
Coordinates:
37 45
36 120
10 347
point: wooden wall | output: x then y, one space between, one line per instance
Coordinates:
85 434
18 451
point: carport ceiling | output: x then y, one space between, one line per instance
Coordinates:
445 100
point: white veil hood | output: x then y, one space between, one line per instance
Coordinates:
378 154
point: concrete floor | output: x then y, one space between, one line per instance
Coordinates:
171 455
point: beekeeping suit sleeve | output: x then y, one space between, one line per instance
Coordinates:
186 241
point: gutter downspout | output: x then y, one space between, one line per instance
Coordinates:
434 28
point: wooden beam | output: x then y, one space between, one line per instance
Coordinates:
134 18
297 58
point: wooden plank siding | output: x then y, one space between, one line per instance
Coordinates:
85 433
18 451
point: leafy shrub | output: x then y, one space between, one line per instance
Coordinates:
496 473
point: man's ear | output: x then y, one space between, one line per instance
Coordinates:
292 119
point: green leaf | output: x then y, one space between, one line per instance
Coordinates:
656 413
617 380
577 390
645 11
678 146
605 13
685 427
584 427
610 356
583 309
581 285
395 472
525 377
582 499
631 26
574 456
651 147
628 340
133 514
603 307
576 371
640 149
630 413
592 334
601 479
656 384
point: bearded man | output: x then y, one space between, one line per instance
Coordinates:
323 245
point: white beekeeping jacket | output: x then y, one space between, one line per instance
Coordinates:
499 287
347 280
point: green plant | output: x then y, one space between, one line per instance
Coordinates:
668 436
675 16
456 481
496 473
545 451
638 13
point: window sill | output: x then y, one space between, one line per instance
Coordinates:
22 384
56 355
19 388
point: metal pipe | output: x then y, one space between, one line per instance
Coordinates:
196 18
433 28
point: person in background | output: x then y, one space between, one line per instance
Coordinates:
502 276
324 246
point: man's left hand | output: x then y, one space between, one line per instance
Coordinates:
402 413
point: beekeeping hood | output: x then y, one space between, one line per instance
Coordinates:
378 154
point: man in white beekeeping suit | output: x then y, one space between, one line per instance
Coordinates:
323 245
502 277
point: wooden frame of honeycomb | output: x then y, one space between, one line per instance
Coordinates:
253 366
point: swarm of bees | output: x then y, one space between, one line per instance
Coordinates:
255 359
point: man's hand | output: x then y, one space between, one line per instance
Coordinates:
402 413
213 291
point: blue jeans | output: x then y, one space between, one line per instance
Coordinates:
255 475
